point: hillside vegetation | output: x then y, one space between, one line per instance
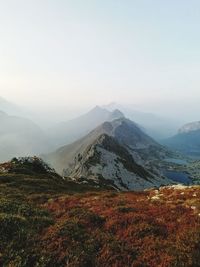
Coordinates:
48 221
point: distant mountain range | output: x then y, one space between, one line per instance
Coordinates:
116 152
70 131
20 137
187 140
156 126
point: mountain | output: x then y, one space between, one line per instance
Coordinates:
190 127
9 107
20 137
187 140
116 152
70 131
156 126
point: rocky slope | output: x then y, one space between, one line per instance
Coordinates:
116 152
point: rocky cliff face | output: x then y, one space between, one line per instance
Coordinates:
106 161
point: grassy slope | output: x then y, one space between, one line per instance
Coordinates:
45 221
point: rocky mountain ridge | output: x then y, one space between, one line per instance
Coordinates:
116 152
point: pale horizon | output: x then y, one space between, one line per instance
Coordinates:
74 55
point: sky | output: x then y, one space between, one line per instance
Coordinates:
75 53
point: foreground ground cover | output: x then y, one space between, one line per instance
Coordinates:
47 221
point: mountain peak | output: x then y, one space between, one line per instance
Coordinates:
109 154
190 127
97 109
187 140
115 114
111 106
68 132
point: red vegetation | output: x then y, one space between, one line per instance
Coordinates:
152 229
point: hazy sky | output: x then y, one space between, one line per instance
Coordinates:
87 52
